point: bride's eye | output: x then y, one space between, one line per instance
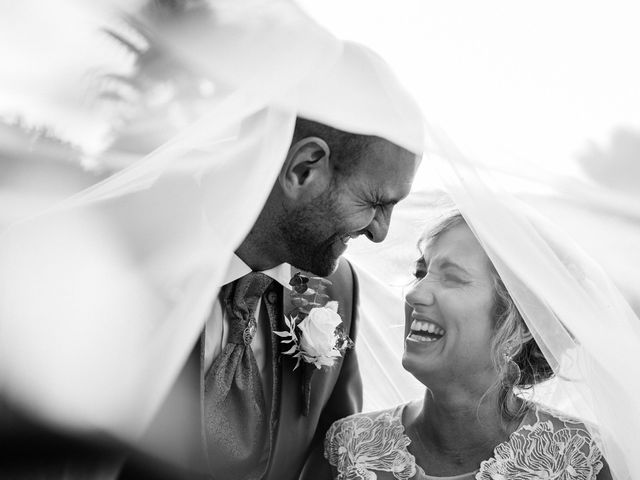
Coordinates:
450 278
419 273
419 270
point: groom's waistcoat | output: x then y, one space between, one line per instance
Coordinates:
335 392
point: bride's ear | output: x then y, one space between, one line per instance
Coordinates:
306 170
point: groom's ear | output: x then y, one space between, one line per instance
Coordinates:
307 170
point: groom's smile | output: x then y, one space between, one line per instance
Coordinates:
324 200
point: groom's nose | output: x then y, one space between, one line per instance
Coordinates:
377 230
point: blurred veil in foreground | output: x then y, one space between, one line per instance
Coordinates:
103 296
107 291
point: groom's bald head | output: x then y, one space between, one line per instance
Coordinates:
347 150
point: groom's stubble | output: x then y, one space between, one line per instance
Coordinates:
310 232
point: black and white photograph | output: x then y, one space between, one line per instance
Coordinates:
319 240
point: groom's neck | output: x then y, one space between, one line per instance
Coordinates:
256 259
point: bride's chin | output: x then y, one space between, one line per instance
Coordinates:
413 362
406 363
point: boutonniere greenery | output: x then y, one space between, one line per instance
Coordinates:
316 332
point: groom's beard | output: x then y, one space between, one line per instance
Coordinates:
310 233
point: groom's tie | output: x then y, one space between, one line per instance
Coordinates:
235 417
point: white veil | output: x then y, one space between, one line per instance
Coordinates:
584 326
108 291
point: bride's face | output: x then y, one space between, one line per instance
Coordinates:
448 321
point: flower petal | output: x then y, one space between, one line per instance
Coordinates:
332 305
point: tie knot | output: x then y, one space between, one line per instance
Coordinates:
242 298
250 288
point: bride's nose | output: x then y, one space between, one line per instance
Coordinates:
420 293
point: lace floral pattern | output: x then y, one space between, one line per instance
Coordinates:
551 448
360 444
544 452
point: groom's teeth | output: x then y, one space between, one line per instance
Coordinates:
346 238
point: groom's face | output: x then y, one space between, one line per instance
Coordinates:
357 203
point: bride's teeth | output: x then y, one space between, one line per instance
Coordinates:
422 327
422 338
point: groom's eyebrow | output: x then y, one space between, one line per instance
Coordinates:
381 198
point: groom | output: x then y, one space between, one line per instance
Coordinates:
333 186
240 409
351 157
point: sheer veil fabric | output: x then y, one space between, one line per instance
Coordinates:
108 291
583 324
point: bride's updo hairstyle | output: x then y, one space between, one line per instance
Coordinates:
515 354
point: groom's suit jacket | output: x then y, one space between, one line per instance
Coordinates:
334 393
296 438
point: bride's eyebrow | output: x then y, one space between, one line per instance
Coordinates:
448 263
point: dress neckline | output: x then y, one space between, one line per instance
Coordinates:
462 476
377 441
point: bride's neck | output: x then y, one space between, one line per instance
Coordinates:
458 421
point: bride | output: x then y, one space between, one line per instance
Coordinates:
468 344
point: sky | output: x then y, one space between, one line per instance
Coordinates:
529 82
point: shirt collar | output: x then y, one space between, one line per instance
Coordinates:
237 268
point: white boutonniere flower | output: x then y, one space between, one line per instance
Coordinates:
316 334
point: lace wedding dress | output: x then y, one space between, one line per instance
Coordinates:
371 446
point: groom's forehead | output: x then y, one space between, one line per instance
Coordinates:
385 173
382 155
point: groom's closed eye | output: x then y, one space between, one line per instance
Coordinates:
382 201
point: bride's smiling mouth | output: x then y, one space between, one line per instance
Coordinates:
425 331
